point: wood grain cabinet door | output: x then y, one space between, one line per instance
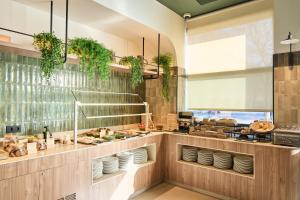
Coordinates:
20 188
69 181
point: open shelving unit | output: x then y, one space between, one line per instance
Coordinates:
151 149
229 171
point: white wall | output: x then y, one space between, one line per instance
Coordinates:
19 17
286 18
153 14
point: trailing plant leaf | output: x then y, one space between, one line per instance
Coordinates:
165 62
136 65
94 57
51 49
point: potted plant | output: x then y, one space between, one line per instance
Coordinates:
94 57
51 49
136 65
165 61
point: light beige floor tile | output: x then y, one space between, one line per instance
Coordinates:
170 192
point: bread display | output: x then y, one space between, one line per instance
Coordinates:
17 150
86 140
41 145
262 126
226 122
8 142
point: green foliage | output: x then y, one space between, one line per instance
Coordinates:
136 65
94 57
51 49
165 62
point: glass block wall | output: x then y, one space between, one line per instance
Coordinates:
28 100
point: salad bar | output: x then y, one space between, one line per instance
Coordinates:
101 135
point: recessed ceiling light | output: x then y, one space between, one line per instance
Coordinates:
203 2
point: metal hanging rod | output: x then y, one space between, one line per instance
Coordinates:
111 104
66 31
156 76
123 115
51 16
98 92
18 32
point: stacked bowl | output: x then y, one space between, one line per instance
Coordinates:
222 160
205 157
110 165
189 154
140 156
97 168
125 160
243 164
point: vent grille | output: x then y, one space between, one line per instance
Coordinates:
69 197
203 2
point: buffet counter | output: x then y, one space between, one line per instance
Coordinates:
66 170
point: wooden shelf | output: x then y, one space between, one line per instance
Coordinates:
135 167
31 52
124 68
229 171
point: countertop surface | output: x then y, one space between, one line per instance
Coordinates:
65 148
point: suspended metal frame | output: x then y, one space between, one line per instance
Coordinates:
66 40
51 28
78 105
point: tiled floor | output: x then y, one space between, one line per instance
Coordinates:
166 191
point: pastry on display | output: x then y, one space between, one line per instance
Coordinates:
262 126
86 140
17 150
41 145
9 141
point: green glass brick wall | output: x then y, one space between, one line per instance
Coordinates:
28 100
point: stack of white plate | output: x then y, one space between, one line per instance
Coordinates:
205 157
243 164
125 160
222 160
189 154
110 165
97 168
140 156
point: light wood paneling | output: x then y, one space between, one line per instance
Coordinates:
62 171
21 188
58 172
276 170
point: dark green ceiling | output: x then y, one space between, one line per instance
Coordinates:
196 8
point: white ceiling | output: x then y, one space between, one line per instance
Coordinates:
101 18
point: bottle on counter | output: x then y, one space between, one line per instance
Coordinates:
46 133
48 137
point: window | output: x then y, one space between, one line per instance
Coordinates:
241 117
230 71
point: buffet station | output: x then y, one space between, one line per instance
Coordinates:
212 156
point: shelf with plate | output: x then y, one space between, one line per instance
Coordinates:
122 164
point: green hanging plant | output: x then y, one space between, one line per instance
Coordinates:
136 65
51 49
94 57
165 62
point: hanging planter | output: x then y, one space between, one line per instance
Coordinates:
136 65
51 49
165 62
94 57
